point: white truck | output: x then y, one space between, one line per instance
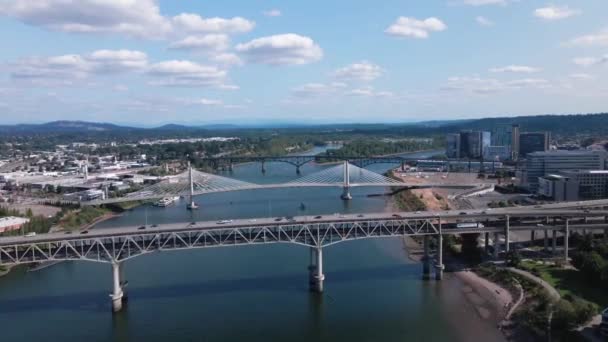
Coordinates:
468 225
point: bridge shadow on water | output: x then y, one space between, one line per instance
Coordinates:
99 301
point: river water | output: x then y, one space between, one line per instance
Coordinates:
259 293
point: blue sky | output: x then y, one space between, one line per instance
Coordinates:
147 62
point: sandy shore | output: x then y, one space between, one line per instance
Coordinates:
489 301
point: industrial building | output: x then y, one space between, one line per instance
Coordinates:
12 223
575 185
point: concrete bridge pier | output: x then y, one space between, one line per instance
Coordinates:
439 265
546 241
496 247
118 296
507 243
426 264
298 170
263 167
486 242
566 242
554 242
312 268
316 271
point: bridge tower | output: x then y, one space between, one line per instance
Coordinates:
346 187
191 204
118 294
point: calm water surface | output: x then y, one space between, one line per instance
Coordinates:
259 293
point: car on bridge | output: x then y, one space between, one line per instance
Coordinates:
224 221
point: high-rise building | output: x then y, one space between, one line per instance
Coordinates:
497 153
533 142
540 164
452 149
515 142
502 135
473 143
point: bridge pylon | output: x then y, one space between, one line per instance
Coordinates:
346 187
191 204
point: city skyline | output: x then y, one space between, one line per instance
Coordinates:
147 62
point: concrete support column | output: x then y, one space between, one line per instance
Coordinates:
554 242
263 167
532 237
426 267
546 241
319 277
312 268
496 246
507 235
487 242
117 294
297 170
566 242
439 265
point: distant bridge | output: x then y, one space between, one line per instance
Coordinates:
227 162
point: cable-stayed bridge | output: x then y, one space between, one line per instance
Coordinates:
192 183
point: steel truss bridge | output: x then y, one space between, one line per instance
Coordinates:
117 245
227 162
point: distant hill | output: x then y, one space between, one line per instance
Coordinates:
592 124
574 124
63 126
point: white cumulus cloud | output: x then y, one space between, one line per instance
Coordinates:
66 69
362 71
186 74
281 49
555 12
140 18
272 13
594 39
137 18
415 28
486 2
590 61
483 21
208 43
191 22
516 69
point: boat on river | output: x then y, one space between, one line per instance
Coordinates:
166 201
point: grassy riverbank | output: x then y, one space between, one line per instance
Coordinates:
84 217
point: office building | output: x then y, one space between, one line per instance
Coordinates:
452 149
533 142
592 184
558 188
497 153
540 164
473 143
502 135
